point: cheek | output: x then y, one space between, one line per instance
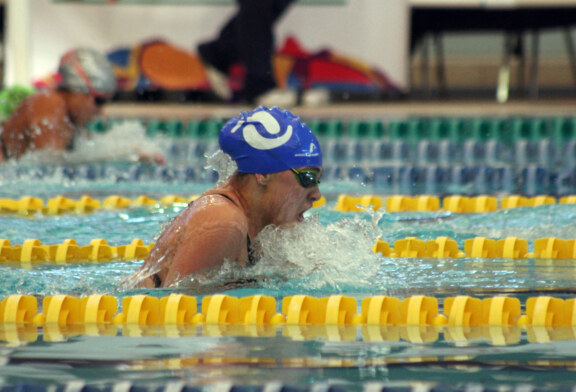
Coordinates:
89 107
85 111
289 195
290 203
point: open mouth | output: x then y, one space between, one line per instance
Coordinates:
301 215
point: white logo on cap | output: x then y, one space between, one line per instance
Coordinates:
259 142
309 153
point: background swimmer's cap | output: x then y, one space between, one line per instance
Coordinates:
87 71
269 140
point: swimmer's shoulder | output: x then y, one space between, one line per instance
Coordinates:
48 99
220 198
218 205
44 97
43 104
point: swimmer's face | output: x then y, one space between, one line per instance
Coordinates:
82 108
289 199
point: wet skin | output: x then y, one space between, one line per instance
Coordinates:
47 119
214 228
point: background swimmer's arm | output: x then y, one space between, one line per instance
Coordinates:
126 141
40 122
48 124
212 235
149 157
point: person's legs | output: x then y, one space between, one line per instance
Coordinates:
217 56
247 38
221 53
255 43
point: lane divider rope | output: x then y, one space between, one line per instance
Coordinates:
33 251
416 317
29 205
294 310
98 250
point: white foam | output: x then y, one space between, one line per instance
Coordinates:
125 141
332 257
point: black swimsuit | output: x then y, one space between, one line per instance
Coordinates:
251 258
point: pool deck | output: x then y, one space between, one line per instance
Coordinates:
551 107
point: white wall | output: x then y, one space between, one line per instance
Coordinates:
375 31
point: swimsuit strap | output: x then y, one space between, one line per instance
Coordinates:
224 195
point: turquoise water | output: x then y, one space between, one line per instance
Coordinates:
331 243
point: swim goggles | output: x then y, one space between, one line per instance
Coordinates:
307 177
99 101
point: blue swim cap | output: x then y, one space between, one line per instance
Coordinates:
269 140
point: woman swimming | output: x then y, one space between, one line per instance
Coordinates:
279 168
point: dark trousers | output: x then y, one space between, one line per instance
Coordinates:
248 38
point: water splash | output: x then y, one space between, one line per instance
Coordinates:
222 164
124 141
306 256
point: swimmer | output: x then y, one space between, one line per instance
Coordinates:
53 119
279 165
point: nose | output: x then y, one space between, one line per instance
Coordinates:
315 195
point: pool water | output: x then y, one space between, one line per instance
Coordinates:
329 254
348 356
333 244
197 358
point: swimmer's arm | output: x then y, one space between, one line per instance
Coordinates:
210 241
204 253
149 157
48 124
